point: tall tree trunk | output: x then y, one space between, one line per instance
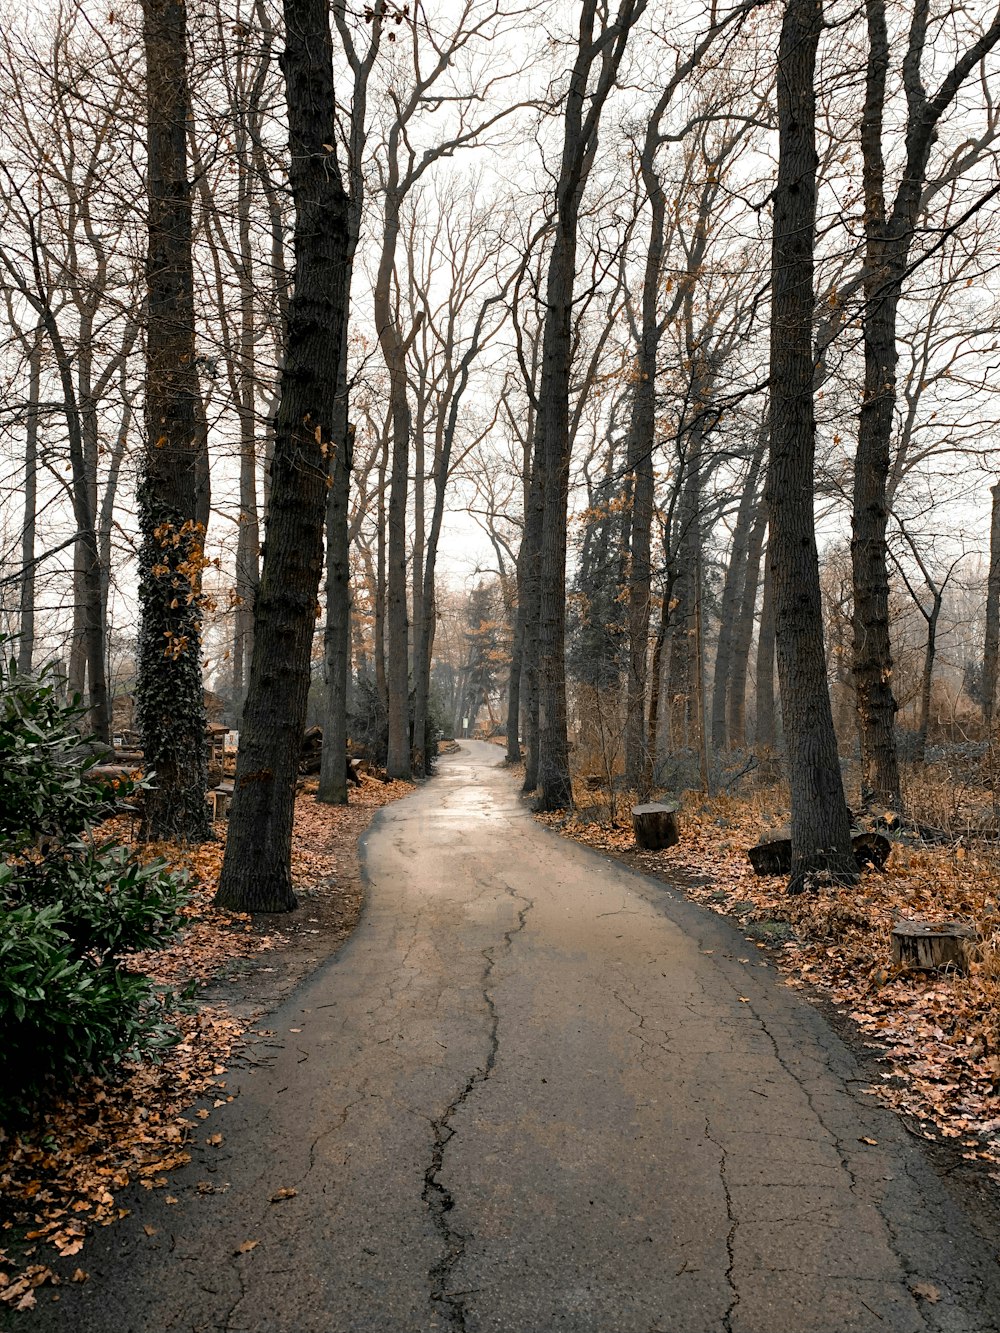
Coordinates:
821 831
337 642
872 649
529 607
656 682
337 639
765 730
888 239
927 677
585 101
642 438
732 598
256 872
682 685
378 629
170 703
743 633
26 617
991 643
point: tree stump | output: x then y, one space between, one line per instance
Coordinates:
926 946
655 826
773 854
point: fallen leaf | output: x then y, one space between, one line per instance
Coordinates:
214 1140
286 1193
926 1291
247 1246
80 1276
871 1142
150 1231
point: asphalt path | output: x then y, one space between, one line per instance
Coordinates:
538 1092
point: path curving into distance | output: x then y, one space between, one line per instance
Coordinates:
522 1098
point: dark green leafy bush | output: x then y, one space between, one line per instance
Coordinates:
69 907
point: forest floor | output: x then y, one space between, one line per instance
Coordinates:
61 1177
932 1040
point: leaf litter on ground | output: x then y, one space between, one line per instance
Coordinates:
62 1176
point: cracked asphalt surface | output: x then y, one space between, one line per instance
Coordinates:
536 1091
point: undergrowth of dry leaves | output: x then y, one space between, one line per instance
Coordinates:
937 1035
62 1177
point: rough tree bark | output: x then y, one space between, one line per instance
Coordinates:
256 872
170 702
765 729
821 831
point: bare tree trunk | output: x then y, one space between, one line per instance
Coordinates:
378 630
26 617
765 731
991 644
732 598
927 677
888 240
256 872
821 832
337 643
743 634
682 685
529 607
656 682
584 104
642 436
332 788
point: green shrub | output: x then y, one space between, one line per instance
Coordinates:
69 907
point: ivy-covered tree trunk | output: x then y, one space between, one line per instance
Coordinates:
821 831
170 704
256 873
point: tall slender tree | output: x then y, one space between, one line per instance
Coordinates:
890 230
821 832
256 873
599 51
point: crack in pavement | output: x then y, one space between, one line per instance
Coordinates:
435 1193
727 1318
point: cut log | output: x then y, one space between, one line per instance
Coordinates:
926 946
773 854
871 849
655 826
